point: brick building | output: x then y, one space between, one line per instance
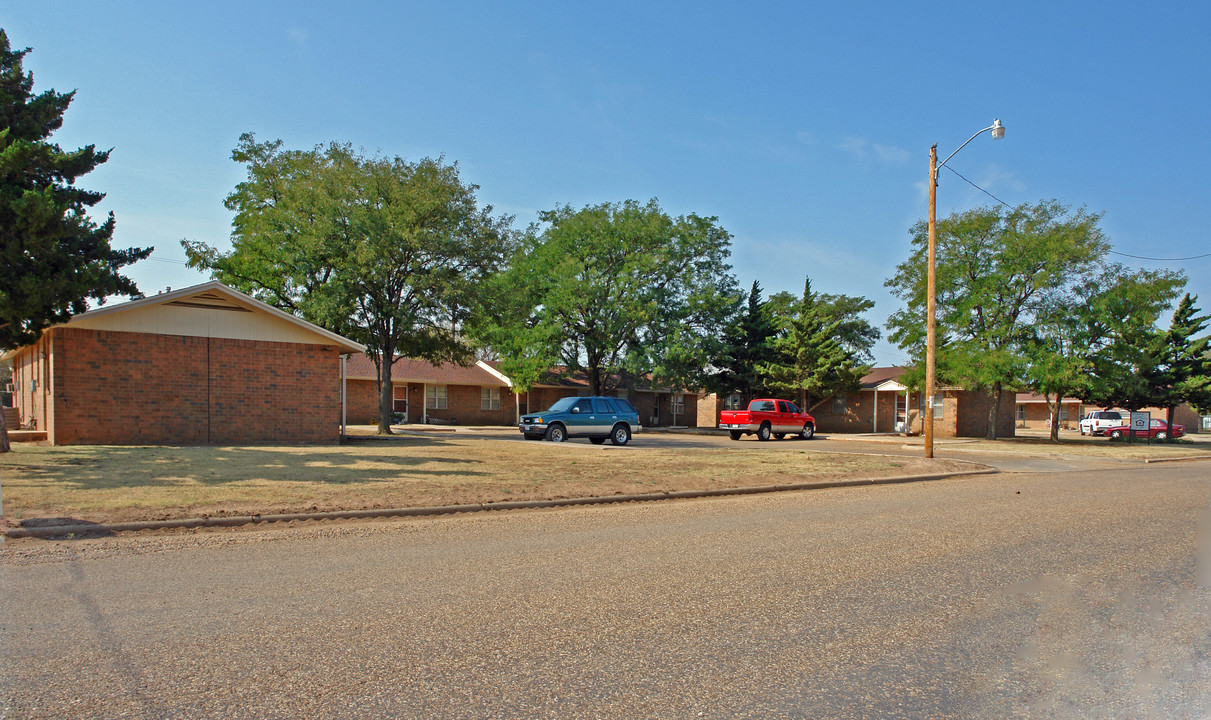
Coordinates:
1033 413
884 405
482 395
658 406
206 364
423 392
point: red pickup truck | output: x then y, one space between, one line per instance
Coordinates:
767 417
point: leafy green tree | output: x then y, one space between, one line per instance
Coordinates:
1076 335
616 288
996 270
55 257
819 349
746 344
1181 372
387 252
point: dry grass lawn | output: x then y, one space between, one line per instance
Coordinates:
114 484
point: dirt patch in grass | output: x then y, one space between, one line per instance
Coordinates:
119 484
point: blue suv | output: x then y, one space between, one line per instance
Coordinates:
597 418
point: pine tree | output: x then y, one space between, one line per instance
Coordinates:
808 357
1182 369
746 345
55 257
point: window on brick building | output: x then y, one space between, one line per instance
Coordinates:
840 405
937 406
679 404
489 398
436 397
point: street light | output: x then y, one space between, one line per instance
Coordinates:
998 132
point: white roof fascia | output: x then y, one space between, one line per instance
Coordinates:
345 344
494 372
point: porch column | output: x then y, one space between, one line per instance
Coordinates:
875 425
424 413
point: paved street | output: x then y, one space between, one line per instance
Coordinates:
1067 595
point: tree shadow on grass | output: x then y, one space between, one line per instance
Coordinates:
89 467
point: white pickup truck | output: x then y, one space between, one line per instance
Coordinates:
1096 422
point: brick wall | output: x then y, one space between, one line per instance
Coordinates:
1037 415
971 415
463 404
137 388
361 402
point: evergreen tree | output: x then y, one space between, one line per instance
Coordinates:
746 345
1181 372
55 257
808 357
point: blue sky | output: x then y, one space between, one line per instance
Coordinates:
805 128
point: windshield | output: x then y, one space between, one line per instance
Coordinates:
562 405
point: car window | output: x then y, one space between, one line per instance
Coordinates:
625 406
603 405
584 405
764 406
561 405
1112 416
782 406
791 407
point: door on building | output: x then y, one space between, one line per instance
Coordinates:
399 400
902 413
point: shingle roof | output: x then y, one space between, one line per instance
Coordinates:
879 375
361 367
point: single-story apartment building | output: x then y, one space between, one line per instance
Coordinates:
481 394
883 404
1032 413
423 392
206 364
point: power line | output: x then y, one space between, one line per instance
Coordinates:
1113 252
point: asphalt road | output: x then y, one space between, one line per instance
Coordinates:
1008 596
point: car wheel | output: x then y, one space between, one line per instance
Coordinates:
1116 434
620 435
597 441
734 434
809 431
557 433
1162 435
763 432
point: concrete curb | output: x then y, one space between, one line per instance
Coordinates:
238 520
1177 459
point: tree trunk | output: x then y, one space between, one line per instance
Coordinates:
385 395
1055 419
1169 422
594 379
994 394
4 446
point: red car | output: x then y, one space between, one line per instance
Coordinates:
1159 430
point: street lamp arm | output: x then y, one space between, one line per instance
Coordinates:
995 126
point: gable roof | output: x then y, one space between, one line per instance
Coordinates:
211 309
361 367
880 375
